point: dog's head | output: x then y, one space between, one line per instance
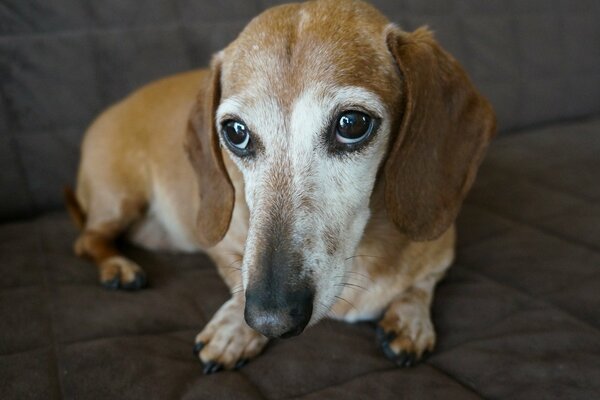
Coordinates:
314 103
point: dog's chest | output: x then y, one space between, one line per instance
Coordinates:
163 227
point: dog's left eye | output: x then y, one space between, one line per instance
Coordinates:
353 127
236 135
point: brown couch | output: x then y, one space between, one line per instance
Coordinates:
518 316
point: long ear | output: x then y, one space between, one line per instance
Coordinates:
445 130
204 152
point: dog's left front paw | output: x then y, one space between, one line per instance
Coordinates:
406 334
227 342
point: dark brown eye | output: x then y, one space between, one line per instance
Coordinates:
353 127
236 134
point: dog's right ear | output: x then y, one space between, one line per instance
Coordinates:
204 152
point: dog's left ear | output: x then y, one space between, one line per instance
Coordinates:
204 152
445 130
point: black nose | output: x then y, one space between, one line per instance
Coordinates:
278 315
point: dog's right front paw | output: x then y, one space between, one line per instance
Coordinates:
227 342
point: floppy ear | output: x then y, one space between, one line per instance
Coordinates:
445 129
204 152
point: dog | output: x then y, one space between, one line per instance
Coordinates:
320 161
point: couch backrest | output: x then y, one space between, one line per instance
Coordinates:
63 61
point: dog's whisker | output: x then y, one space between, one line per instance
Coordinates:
233 254
358 273
232 266
322 311
343 299
351 285
362 255
237 289
345 277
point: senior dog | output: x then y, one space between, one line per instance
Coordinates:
320 162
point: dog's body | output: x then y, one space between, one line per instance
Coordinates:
303 226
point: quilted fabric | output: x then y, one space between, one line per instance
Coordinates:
63 61
518 315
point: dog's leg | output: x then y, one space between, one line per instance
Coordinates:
97 242
227 341
405 332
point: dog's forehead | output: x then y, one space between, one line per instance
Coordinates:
328 43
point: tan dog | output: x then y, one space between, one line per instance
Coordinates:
321 163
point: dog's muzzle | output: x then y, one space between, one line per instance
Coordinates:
278 313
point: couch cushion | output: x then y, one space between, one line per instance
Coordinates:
517 316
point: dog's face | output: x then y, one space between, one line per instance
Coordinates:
306 118
309 102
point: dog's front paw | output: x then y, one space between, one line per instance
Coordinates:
406 334
118 272
227 342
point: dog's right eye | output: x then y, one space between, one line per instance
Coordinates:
237 136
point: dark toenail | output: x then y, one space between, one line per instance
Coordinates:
198 348
112 284
208 367
401 359
217 368
410 360
241 363
389 353
212 367
138 282
143 281
384 337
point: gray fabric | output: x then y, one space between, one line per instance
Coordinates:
517 317
63 61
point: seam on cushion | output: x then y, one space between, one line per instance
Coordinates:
528 295
533 225
24 351
460 382
113 29
181 30
129 336
546 185
50 306
9 121
299 396
253 384
92 41
549 186
10 126
590 119
533 304
50 128
391 16
378 371
63 142
8 288
481 238
32 207
543 300
564 76
513 21
460 29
